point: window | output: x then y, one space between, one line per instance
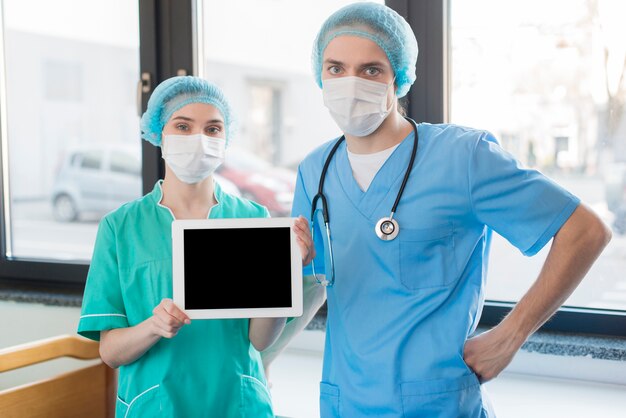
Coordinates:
262 61
474 69
61 105
69 116
551 87
265 114
558 107
91 160
125 164
62 80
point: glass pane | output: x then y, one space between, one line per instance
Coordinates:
550 86
72 125
262 61
90 160
125 164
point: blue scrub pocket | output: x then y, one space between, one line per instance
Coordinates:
147 404
458 397
329 400
427 257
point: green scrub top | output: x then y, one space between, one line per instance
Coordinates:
210 368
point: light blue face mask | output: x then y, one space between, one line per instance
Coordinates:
193 158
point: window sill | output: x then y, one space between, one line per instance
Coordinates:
542 342
577 345
549 342
31 293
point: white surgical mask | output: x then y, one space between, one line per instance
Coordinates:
358 106
193 158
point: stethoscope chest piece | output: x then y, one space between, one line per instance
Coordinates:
387 229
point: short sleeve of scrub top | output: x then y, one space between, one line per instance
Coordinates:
103 306
522 205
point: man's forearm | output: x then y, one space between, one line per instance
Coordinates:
264 331
314 296
574 249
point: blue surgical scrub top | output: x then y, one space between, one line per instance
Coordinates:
400 311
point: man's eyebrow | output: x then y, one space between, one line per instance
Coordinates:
373 64
333 61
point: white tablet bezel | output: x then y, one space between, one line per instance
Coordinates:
178 267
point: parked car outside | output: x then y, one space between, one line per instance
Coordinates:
95 179
260 181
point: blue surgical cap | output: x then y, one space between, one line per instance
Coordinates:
175 93
379 24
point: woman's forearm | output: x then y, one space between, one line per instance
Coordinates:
264 331
122 346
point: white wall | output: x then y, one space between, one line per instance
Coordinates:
534 385
26 322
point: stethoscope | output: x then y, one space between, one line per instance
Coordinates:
386 228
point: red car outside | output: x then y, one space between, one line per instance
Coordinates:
258 180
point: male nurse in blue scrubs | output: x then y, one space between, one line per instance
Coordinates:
405 293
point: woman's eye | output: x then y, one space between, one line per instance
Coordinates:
182 127
213 130
372 71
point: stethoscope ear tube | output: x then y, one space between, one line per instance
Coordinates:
320 188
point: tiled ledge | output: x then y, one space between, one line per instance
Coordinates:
50 296
544 342
605 348
554 343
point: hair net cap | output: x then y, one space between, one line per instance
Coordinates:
380 24
173 94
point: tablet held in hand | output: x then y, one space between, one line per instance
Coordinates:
237 268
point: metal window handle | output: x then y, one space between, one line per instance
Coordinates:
144 85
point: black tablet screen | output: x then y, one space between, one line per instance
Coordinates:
255 265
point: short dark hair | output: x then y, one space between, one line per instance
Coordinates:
403 105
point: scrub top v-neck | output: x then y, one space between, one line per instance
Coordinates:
210 368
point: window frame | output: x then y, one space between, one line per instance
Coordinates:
429 101
166 49
170 44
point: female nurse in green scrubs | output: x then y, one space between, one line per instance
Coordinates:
169 366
